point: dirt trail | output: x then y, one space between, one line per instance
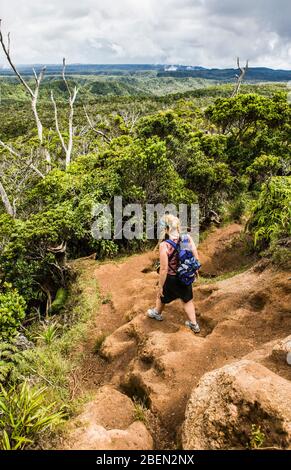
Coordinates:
161 362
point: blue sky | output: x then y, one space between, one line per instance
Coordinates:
198 32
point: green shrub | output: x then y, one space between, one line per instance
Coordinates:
12 313
10 359
211 180
271 216
238 208
257 437
24 416
280 256
107 249
162 124
26 259
264 167
140 410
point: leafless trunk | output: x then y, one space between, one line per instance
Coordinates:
8 206
32 93
72 98
34 98
240 77
93 127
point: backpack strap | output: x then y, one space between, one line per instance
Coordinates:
174 245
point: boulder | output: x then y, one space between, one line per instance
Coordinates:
95 437
230 402
282 350
22 343
108 423
110 409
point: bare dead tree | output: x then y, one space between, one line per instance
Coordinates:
92 126
16 176
130 118
67 147
5 199
240 77
10 207
34 94
16 154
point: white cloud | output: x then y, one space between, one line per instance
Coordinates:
198 32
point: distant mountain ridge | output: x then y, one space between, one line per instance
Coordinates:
158 70
253 74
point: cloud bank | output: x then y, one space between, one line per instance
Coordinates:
210 33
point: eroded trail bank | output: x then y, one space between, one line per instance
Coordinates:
243 314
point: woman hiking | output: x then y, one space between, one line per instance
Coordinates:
170 286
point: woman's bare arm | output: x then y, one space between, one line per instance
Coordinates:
163 266
193 248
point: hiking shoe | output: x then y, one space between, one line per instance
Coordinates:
152 313
193 326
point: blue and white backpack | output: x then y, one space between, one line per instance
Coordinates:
188 265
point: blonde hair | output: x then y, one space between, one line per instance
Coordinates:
171 228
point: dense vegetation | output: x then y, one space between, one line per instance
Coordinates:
232 155
93 87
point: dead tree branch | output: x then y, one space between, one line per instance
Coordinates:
240 77
92 126
57 122
130 118
72 98
6 50
34 94
16 154
8 206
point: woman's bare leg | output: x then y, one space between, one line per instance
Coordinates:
189 309
159 305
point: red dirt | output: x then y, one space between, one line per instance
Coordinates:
161 362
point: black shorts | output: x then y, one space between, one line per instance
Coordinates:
175 289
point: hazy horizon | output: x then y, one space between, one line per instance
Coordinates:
59 64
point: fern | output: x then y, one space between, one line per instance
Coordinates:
10 359
271 217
